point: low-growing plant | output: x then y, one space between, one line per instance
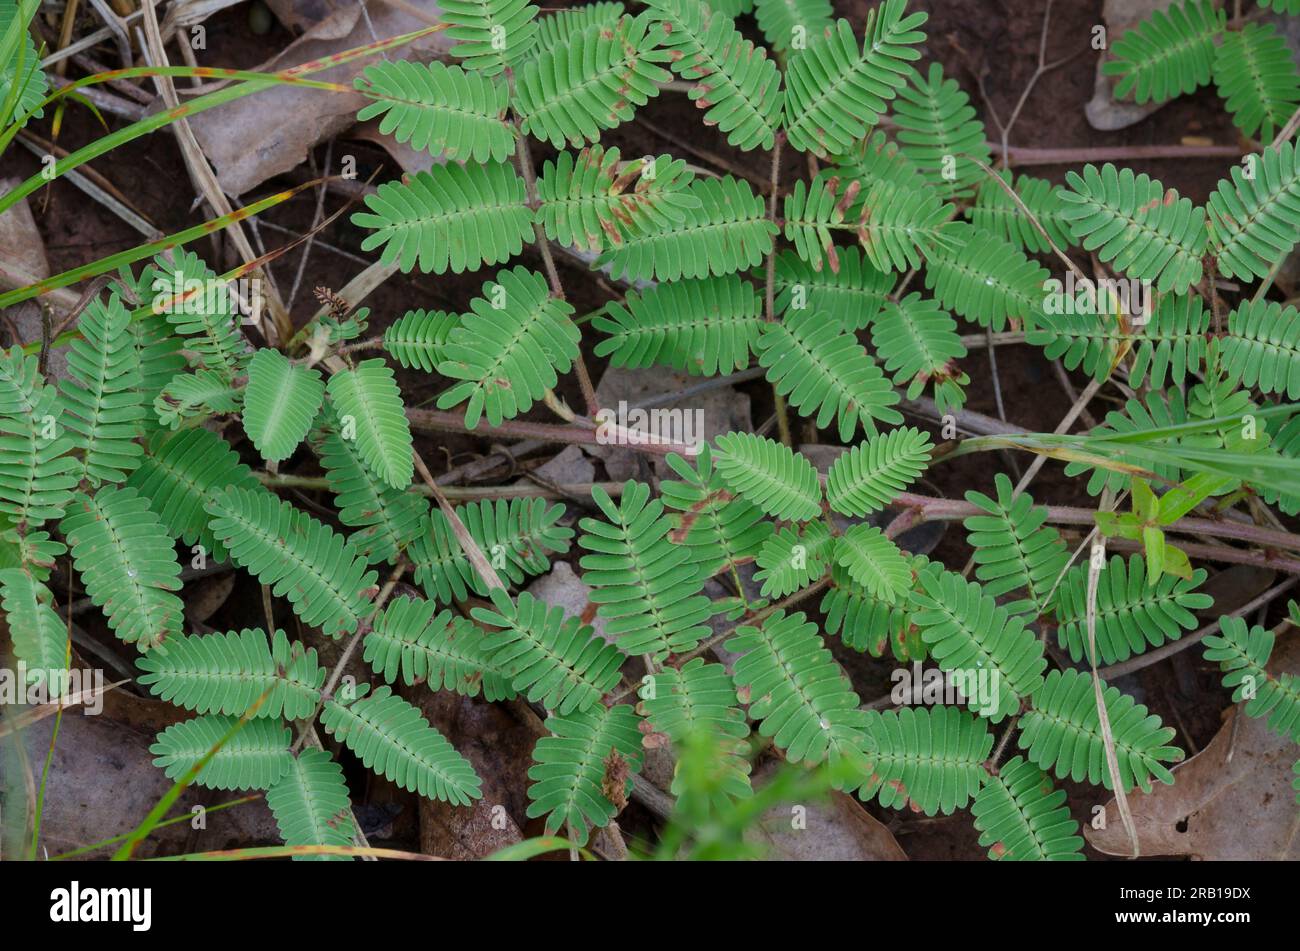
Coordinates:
844 291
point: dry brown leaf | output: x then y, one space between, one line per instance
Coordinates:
1233 800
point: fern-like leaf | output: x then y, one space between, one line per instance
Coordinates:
199 307
558 661
452 217
838 87
719 530
939 131
443 650
794 558
36 471
1262 347
874 561
386 519
101 393
516 535
127 563
735 81
1062 732
582 771
439 109
700 698
1254 215
1022 817
800 695
996 212
919 345
256 756
1132 616
311 806
180 474
1014 549
491 34
928 759
865 622
298 557
391 737
1136 225
508 349
592 81
228 673
852 296
588 198
368 398
1257 79
1242 655
996 660
418 339
1172 343
647 587
772 476
985 279
823 371
280 402
1168 54
705 327
39 635
871 474
557 27
728 232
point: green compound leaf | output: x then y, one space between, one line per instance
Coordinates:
311 806
927 759
509 349
369 405
728 232
704 327
775 478
559 661
444 650
256 756
838 87
1242 655
1135 224
128 564
700 698
582 772
1014 549
994 658
802 697
452 217
391 737
593 81
1062 733
299 558
228 673
826 373
280 402
871 474
1132 616
588 198
439 109
648 588
874 561
1168 54
1022 817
